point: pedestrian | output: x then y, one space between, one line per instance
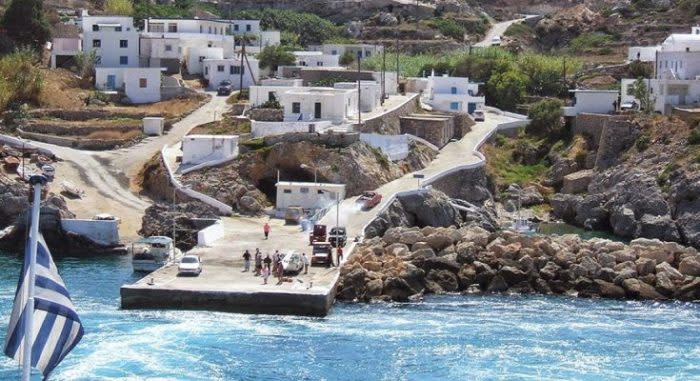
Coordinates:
246 261
305 260
265 274
267 262
275 261
340 255
280 272
266 229
258 262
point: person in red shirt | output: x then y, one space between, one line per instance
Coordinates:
266 229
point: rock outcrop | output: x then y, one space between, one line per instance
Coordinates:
162 219
408 262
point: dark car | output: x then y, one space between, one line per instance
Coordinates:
318 234
321 253
369 200
338 236
225 88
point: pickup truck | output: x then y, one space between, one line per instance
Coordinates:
338 237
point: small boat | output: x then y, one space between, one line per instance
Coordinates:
523 226
151 253
72 190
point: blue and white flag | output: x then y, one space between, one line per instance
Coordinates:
57 328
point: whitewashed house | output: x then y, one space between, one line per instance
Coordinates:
370 93
454 94
139 84
199 149
592 102
66 43
676 80
197 55
308 195
270 89
230 69
363 50
319 103
315 59
114 39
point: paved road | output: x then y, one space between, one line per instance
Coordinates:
497 30
106 175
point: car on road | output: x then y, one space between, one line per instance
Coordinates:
478 116
225 88
496 41
292 262
369 200
338 236
318 234
321 253
189 265
293 215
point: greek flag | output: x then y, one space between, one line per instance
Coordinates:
57 328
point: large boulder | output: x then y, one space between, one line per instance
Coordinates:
640 290
690 265
447 280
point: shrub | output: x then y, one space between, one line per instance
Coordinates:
119 7
447 27
20 78
545 118
518 29
694 137
589 40
642 143
274 56
347 58
310 28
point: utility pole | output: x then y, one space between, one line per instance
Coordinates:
383 73
359 89
240 87
397 61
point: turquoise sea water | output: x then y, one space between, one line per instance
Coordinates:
444 338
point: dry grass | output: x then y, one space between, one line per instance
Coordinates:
171 108
62 90
114 135
227 126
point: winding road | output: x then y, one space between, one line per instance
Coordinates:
498 29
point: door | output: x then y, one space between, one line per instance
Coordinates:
471 107
111 81
317 110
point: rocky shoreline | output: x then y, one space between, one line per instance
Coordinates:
407 263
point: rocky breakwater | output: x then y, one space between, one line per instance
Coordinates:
406 263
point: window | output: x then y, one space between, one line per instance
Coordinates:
123 60
98 60
155 28
453 90
123 43
334 52
304 190
302 63
367 54
454 105
235 69
206 70
296 107
168 48
235 27
143 83
200 29
248 28
95 27
319 63
220 68
118 29
271 96
320 191
287 191
209 30
172 28
96 43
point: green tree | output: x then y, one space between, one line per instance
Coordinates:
274 56
545 118
347 58
641 92
25 23
86 63
119 7
506 88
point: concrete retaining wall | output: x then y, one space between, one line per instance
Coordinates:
266 114
260 129
436 129
79 143
23 144
209 235
105 232
331 140
394 146
389 123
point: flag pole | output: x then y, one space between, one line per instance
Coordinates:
37 182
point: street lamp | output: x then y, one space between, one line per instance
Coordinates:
304 166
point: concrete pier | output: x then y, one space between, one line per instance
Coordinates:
222 286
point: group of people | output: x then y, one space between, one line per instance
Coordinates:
269 265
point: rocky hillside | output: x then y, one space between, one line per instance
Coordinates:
408 262
161 219
248 183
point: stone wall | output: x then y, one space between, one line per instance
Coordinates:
67 129
591 126
690 116
266 114
470 185
617 136
331 140
433 128
79 143
389 123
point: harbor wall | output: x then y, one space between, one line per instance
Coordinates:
102 231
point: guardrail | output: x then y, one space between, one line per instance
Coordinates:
220 206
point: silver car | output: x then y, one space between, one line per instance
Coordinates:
189 265
292 262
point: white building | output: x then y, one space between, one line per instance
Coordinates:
370 93
308 195
271 89
642 53
65 45
229 69
198 149
197 55
114 39
592 101
677 73
139 84
364 50
455 94
319 103
316 59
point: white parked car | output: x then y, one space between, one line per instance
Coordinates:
189 265
478 116
292 262
496 41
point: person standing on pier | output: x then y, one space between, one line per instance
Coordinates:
265 274
258 262
246 261
340 255
305 260
266 229
267 261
